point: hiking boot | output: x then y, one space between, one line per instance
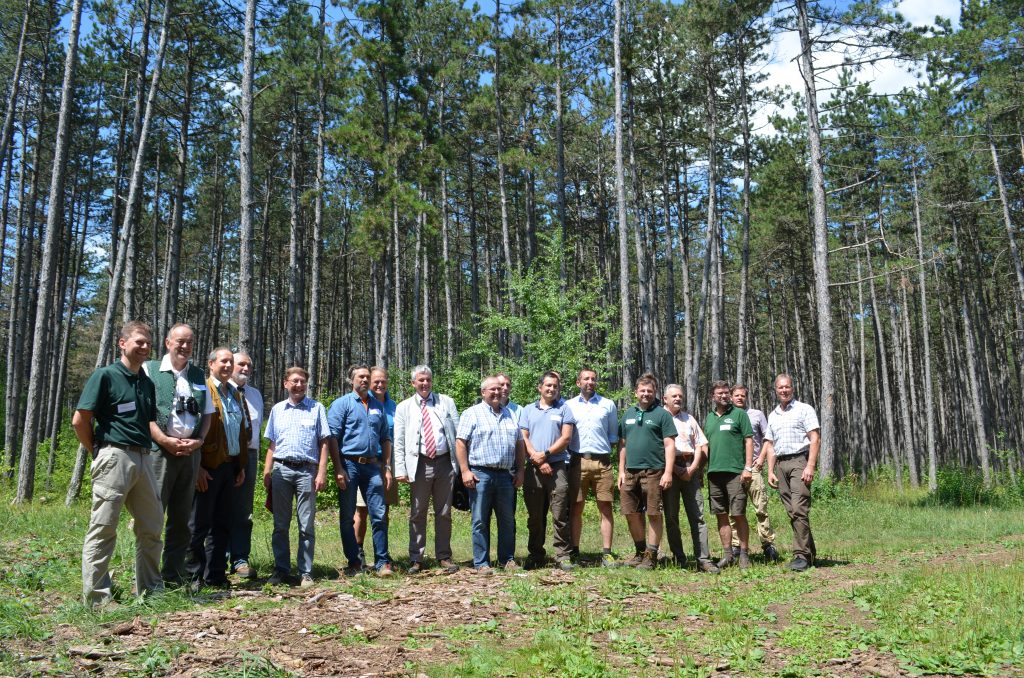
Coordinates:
415 568
648 561
448 566
680 561
385 570
635 560
799 564
486 570
245 570
565 565
574 555
726 561
354 568
770 554
744 560
708 566
511 565
608 560
735 552
532 563
306 581
276 579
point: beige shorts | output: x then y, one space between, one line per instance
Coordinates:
595 473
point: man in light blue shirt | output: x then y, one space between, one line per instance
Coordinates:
296 466
595 433
490 451
360 425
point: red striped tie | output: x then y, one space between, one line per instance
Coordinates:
429 444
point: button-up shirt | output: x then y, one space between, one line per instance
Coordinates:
544 424
254 401
759 424
231 417
491 436
597 424
183 424
359 428
788 428
689 438
297 430
440 441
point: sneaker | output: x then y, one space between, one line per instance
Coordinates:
708 566
511 565
799 564
608 560
486 569
306 581
770 554
245 570
648 560
565 565
354 568
726 561
744 560
385 570
415 568
448 566
276 579
735 551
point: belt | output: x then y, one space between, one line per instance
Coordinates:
596 457
490 468
363 460
295 464
791 456
138 449
437 455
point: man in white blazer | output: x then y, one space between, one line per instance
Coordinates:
424 443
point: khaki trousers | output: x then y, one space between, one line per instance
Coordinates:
796 497
121 478
758 496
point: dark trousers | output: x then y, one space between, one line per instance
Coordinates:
687 492
796 497
543 493
211 522
240 539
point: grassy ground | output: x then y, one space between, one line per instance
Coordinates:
902 588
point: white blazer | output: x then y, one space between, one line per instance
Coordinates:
408 439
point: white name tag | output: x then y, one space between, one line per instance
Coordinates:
555 418
308 422
630 421
725 427
126 407
199 387
375 412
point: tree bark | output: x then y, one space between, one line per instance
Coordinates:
313 348
7 132
626 314
246 284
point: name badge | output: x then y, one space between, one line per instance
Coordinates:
199 387
126 407
555 418
630 422
375 413
725 427
308 422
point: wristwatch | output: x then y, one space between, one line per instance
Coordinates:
748 469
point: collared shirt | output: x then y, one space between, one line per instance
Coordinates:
544 424
727 433
759 424
231 415
491 436
254 401
440 442
515 410
788 428
182 424
297 430
597 424
644 432
122 403
389 406
689 438
359 428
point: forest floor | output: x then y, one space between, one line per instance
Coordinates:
901 588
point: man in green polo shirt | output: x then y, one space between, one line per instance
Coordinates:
647 452
730 440
121 400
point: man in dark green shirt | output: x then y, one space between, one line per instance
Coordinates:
647 451
121 400
730 440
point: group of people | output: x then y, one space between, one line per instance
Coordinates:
167 439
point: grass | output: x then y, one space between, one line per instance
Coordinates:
891 589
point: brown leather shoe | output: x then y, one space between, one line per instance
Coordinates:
448 566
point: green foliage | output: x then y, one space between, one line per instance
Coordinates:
966 487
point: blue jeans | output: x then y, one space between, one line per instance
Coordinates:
240 541
494 492
367 478
285 484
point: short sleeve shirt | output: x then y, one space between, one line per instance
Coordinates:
689 437
491 436
122 403
726 434
544 424
644 433
297 429
597 425
788 429
759 425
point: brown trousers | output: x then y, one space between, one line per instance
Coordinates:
796 497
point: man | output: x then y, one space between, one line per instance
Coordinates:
425 426
505 382
221 472
240 540
596 430
793 441
755 491
547 426
360 426
379 389
647 453
491 454
296 467
731 450
121 400
687 477
183 411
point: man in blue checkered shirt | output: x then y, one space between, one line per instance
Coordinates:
490 450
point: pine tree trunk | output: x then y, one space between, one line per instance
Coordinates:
741 318
626 315
886 403
129 305
7 131
313 330
560 148
294 245
900 366
246 284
